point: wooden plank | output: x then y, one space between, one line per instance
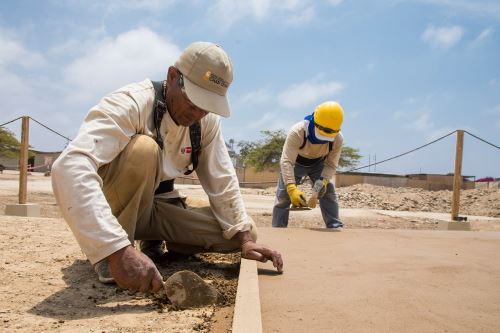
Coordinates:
457 177
23 161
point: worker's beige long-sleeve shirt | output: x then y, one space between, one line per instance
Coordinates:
294 141
106 130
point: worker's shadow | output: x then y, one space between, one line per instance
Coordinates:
85 297
268 272
325 229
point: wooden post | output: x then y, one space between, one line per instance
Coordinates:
457 176
23 161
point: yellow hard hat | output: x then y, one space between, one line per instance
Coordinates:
328 117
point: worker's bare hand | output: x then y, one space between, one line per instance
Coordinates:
254 251
134 270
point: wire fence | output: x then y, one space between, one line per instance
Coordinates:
491 144
398 155
50 129
340 172
13 120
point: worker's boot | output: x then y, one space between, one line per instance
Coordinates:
337 224
154 249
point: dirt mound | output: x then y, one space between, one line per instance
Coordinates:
481 202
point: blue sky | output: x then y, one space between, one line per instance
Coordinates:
405 71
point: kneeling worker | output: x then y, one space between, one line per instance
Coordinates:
114 181
312 148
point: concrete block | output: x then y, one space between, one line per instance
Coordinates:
462 226
28 210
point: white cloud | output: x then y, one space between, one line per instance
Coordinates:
485 34
443 37
416 114
309 92
138 4
13 51
78 43
496 111
225 13
423 123
261 96
15 93
35 96
439 132
334 2
111 6
266 121
273 120
302 17
19 91
131 56
10 82
478 7
105 65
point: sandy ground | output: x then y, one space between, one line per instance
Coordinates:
47 284
382 281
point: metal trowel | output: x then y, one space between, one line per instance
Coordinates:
294 208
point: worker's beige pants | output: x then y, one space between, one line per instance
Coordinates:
129 182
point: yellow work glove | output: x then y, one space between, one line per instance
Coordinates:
296 196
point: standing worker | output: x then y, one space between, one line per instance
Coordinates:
114 182
312 148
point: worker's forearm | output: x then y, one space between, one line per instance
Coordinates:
287 171
243 237
84 206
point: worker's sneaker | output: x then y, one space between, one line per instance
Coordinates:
154 249
102 270
335 225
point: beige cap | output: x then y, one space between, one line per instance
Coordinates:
208 72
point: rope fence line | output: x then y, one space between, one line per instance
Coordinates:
2 125
399 155
30 168
497 147
39 123
340 172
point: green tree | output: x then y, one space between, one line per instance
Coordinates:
266 153
349 158
9 146
263 154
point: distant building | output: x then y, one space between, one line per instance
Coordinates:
9 163
249 177
40 161
430 182
488 182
